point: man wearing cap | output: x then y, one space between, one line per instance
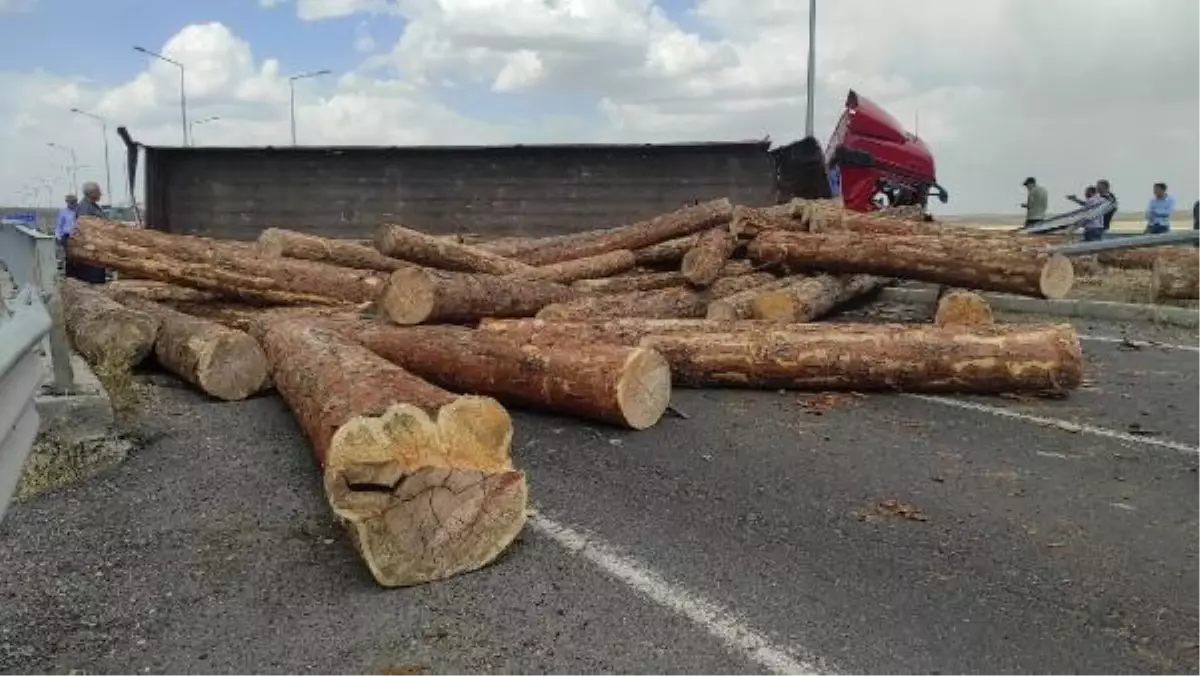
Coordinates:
1036 203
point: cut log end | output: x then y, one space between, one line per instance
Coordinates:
232 366
959 307
1057 278
409 298
425 499
644 389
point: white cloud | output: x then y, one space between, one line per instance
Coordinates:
1002 88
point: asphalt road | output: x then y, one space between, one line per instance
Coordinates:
756 535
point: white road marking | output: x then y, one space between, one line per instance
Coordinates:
1144 343
718 621
1064 425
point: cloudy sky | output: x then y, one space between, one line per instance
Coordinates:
1066 90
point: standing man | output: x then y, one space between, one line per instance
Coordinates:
1159 210
65 224
89 206
1105 189
1093 228
1036 203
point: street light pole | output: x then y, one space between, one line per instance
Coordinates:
182 89
292 90
192 126
74 162
108 186
812 65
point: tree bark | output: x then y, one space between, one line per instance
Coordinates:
254 320
1030 358
975 264
627 283
1173 280
811 298
104 331
1143 259
834 219
222 362
628 387
160 292
702 265
668 252
416 296
620 331
667 226
959 307
234 272
422 479
674 302
600 265
278 243
737 305
752 221
409 245
728 286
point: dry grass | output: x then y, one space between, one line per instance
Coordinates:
54 463
127 395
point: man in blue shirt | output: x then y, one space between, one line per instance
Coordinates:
90 207
1159 210
65 224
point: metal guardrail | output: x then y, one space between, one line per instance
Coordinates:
1130 242
23 325
1063 221
31 259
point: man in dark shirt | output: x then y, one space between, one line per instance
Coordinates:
1105 190
88 206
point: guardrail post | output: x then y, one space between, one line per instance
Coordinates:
46 274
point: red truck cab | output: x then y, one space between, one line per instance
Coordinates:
872 162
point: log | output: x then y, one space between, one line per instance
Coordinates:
685 221
235 272
509 247
737 305
255 320
674 302
1024 358
960 307
104 331
752 221
702 265
222 362
620 331
600 265
728 286
421 295
663 253
628 387
830 219
625 284
975 264
1173 280
811 298
278 243
160 292
400 242
421 478
1143 259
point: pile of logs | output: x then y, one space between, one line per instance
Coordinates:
398 356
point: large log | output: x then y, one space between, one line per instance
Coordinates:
420 295
667 226
737 305
236 272
702 265
728 286
1174 280
661 303
824 218
104 331
618 331
160 292
627 283
400 242
278 242
510 247
222 362
255 320
1040 359
624 386
751 221
976 264
1143 259
600 265
811 298
420 477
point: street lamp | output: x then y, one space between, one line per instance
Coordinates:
74 161
192 126
292 88
104 127
812 65
182 92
